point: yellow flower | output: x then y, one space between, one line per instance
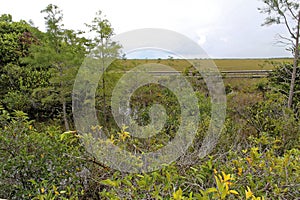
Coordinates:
42 190
249 193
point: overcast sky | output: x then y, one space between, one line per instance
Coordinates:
223 28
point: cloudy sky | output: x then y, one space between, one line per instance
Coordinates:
224 29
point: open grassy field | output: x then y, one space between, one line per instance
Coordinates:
222 64
247 64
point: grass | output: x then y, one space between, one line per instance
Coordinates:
247 64
181 65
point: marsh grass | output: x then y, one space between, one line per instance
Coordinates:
181 65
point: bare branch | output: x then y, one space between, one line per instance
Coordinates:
288 5
288 26
284 42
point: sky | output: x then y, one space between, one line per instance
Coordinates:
224 29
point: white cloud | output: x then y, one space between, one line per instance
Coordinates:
201 36
224 28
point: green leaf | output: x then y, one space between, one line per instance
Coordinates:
110 182
211 190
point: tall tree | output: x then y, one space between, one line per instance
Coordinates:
60 52
286 12
103 48
16 80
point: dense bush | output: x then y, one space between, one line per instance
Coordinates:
261 164
37 164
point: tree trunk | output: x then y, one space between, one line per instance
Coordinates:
103 43
65 115
295 66
104 95
63 101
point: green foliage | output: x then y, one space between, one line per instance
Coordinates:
5 18
104 51
271 175
280 79
254 173
272 118
257 156
18 79
286 12
15 39
60 52
16 100
36 164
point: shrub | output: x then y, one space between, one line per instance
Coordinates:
35 164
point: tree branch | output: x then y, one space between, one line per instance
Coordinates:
291 11
288 26
284 40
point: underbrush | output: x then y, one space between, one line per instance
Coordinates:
257 157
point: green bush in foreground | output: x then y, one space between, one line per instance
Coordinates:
37 164
48 164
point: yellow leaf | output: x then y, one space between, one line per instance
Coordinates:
112 139
249 160
226 186
226 177
96 128
215 171
244 151
123 134
249 193
233 192
240 171
178 194
54 187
